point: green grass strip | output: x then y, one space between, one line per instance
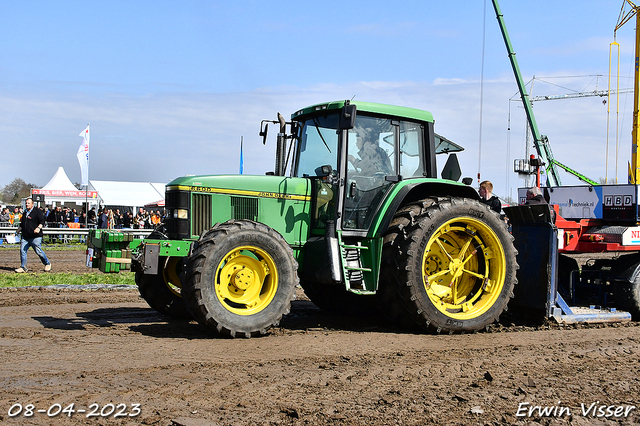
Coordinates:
45 279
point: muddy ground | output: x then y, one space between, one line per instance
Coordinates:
101 347
68 260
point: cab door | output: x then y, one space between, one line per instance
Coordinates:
370 161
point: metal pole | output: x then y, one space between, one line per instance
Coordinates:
86 202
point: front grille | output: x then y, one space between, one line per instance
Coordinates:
176 200
245 208
177 229
200 213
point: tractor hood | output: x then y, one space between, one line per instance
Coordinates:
245 185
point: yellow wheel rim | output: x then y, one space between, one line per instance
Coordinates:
246 280
464 268
170 274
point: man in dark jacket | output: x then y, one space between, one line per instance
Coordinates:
92 215
103 220
534 196
127 218
485 191
31 229
69 216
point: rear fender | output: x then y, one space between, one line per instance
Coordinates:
410 191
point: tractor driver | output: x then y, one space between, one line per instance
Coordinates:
373 159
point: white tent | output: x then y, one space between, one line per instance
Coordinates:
127 194
60 181
60 190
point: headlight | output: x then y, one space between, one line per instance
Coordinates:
181 214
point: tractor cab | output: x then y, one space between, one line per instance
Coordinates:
355 152
363 160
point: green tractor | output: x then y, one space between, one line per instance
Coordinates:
354 213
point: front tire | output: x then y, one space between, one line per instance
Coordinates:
241 278
163 291
451 264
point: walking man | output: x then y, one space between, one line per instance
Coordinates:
31 228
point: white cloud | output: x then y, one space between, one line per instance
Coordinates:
448 81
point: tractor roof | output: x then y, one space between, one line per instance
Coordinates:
398 111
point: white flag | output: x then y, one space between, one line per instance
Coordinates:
83 156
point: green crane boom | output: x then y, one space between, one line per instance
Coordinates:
541 144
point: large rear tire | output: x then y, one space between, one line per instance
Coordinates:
240 278
451 264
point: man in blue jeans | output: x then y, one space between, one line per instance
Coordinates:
31 228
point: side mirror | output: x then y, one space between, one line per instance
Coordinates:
467 180
348 117
263 133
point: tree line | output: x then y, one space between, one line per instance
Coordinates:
16 191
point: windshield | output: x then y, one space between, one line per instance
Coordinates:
318 145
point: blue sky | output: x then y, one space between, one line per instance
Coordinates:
170 87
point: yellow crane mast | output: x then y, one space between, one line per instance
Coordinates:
626 16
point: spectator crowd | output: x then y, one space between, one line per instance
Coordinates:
113 219
9 218
103 218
